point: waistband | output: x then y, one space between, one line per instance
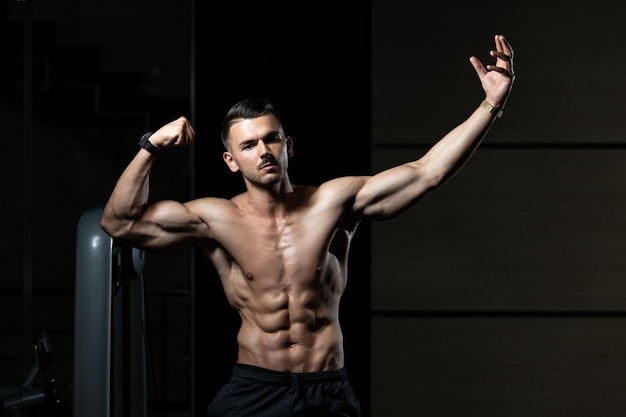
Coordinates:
260 375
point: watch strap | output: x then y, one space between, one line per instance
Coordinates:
145 143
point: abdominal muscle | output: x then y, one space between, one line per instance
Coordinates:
282 351
292 336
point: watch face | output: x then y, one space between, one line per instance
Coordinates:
147 145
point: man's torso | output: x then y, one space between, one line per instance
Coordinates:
285 274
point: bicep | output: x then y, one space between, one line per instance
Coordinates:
391 192
164 225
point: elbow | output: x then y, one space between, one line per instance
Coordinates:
434 181
428 176
434 175
119 223
112 225
105 223
436 178
108 227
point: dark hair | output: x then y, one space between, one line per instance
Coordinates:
249 108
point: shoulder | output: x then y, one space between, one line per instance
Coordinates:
210 208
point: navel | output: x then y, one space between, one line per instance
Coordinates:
319 267
249 276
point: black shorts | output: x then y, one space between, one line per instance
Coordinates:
256 392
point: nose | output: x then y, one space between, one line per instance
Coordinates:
264 151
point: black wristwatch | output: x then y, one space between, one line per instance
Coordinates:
147 145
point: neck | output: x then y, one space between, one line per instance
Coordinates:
269 198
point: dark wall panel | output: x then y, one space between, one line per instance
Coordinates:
502 293
569 61
517 229
498 366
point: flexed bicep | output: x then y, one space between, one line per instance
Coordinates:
166 224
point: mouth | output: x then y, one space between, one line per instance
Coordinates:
267 166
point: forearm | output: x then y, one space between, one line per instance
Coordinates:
451 153
130 194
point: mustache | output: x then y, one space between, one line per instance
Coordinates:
266 159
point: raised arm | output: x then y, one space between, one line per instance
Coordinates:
391 192
127 215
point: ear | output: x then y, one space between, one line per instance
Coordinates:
232 165
289 146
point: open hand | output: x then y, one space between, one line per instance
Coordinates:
497 80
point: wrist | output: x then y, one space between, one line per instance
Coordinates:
145 143
490 108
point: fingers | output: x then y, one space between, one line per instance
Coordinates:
187 132
178 132
502 45
504 59
478 66
503 55
501 70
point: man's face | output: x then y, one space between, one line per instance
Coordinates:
259 149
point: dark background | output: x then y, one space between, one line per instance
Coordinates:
503 293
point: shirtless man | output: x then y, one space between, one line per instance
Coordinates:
281 249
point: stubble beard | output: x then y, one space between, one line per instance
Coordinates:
265 180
